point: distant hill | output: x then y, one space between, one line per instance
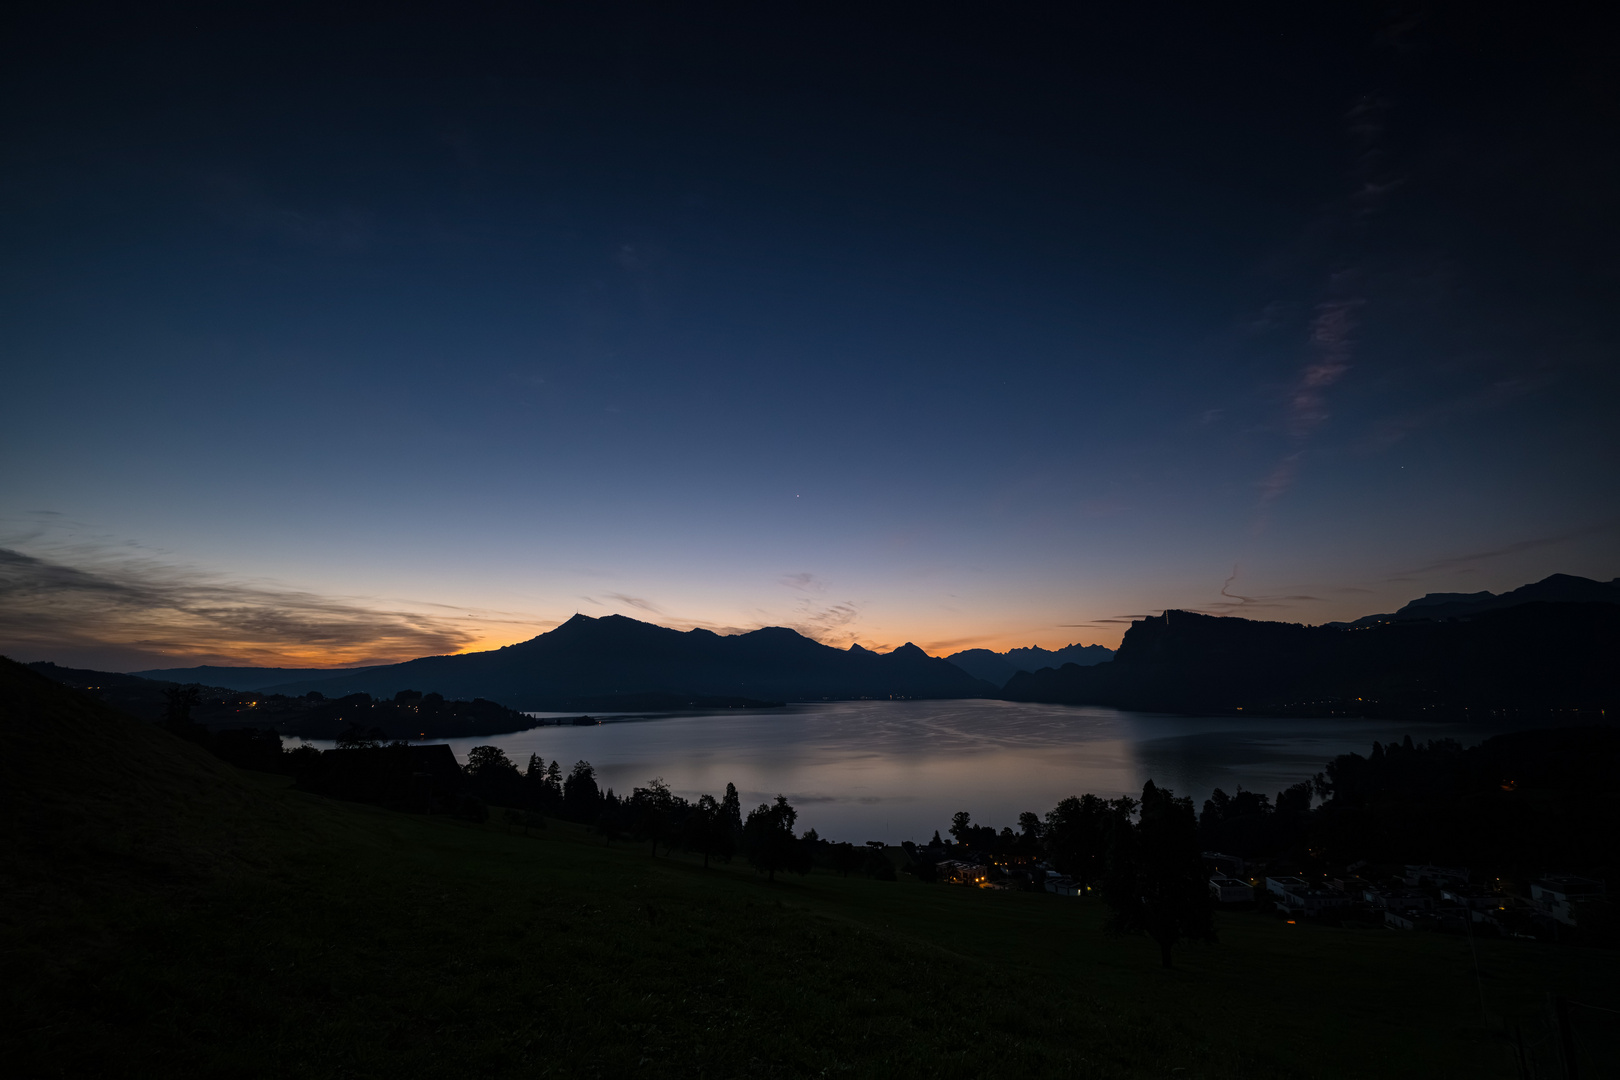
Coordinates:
594 659
999 667
1537 659
132 694
243 678
1557 589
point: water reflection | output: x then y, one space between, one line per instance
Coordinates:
896 770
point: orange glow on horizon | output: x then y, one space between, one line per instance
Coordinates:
247 653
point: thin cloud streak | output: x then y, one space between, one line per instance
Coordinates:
1465 562
636 602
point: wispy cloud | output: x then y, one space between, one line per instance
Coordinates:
1236 603
1395 429
951 645
1112 621
831 623
1454 563
107 602
636 602
1332 327
1307 409
244 203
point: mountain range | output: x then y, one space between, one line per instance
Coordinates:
1536 660
997 667
597 663
1557 589
1550 644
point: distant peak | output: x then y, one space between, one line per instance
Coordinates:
856 647
908 649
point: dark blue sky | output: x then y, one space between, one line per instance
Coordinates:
342 337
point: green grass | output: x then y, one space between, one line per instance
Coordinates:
177 917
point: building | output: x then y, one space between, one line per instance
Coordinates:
1397 900
1278 886
1418 875
962 872
1410 920
1225 890
1557 895
1298 897
1062 886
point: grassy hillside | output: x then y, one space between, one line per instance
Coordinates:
174 916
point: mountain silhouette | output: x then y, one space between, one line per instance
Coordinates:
608 658
999 667
1557 589
1531 658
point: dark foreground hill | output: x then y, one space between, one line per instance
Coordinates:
1538 661
167 915
598 659
134 694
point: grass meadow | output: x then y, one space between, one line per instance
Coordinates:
170 915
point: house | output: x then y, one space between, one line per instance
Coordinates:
1298 897
1470 897
1227 864
962 872
1062 886
1279 886
1225 890
1510 915
1409 920
1422 874
1557 895
1397 900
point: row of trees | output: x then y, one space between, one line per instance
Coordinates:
1142 856
654 815
1515 806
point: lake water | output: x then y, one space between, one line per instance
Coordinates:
898 770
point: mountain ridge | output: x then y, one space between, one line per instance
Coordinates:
1554 588
589 657
999 667
1538 659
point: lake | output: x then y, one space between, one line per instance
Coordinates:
898 770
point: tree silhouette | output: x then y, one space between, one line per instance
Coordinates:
581 798
552 793
769 841
355 737
494 777
1077 832
1155 883
731 813
706 829
656 812
179 701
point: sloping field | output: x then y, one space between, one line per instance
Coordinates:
168 915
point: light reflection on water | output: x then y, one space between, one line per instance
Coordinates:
897 770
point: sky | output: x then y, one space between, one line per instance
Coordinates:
333 337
